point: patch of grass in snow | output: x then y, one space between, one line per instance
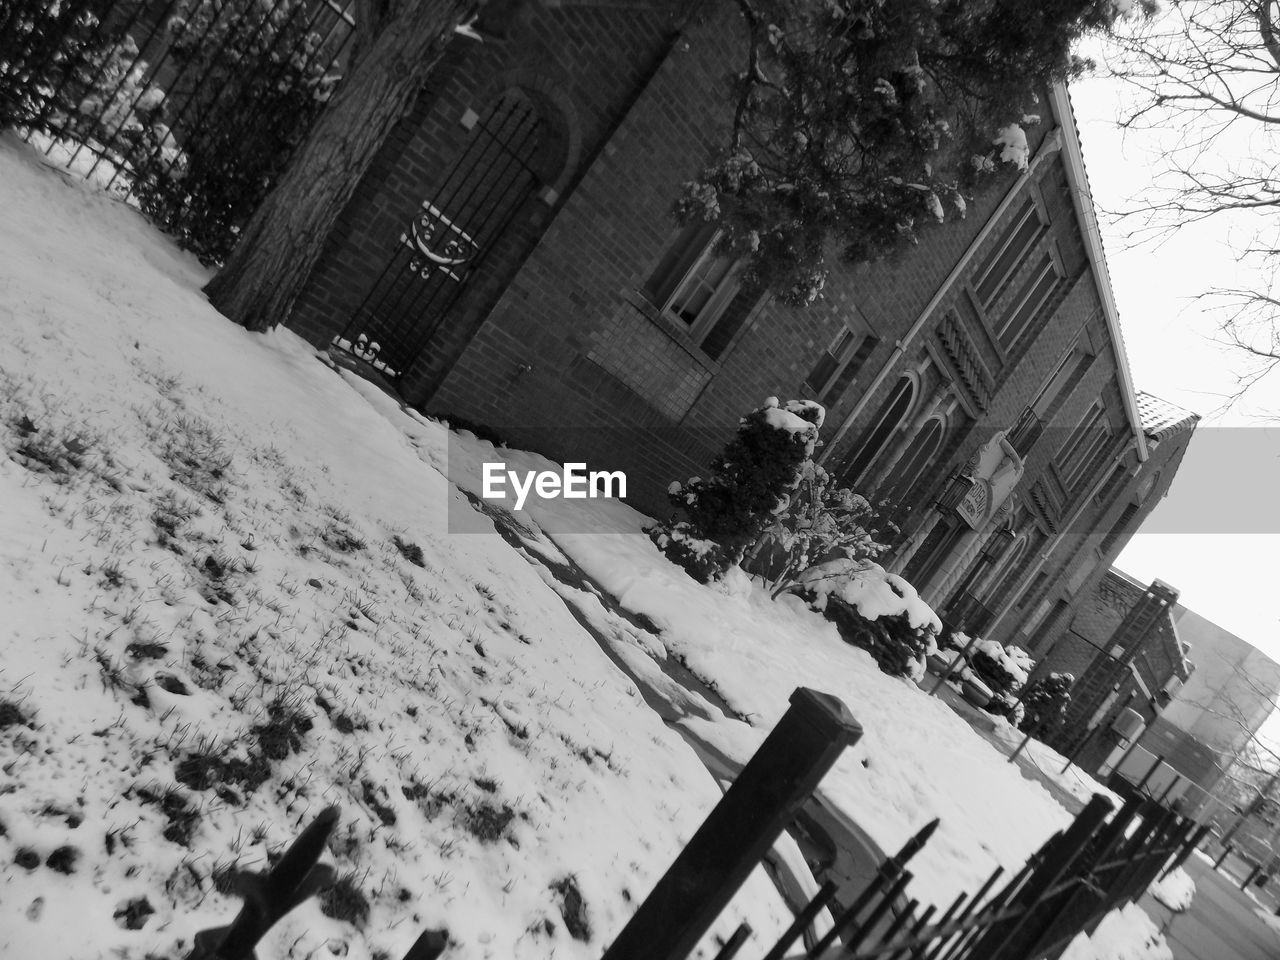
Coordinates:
12 715
197 457
573 908
133 914
345 900
410 551
340 537
487 821
63 859
171 513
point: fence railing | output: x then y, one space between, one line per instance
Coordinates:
1103 860
188 108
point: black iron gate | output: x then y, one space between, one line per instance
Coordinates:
448 239
188 108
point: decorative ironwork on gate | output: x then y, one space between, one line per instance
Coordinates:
446 242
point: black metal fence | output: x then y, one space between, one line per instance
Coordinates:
188 108
1106 858
1066 888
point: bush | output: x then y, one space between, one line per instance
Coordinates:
821 522
1046 703
875 610
243 80
751 482
253 79
1003 669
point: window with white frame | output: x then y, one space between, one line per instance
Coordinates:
693 284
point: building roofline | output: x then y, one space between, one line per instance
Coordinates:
1173 418
1082 198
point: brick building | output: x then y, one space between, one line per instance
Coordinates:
1124 650
509 259
1201 691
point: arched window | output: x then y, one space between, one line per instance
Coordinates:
464 212
915 459
887 419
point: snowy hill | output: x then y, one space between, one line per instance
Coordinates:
231 597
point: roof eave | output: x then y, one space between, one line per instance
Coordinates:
1082 198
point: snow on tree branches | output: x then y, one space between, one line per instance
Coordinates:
857 123
751 481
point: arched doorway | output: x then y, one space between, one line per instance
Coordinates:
446 242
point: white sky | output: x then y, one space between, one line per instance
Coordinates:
1198 539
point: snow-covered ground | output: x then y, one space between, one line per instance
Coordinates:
1124 934
1176 891
917 759
235 591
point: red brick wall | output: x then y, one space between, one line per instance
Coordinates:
582 66
607 369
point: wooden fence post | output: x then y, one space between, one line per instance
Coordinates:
751 815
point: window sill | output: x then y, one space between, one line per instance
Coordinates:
671 329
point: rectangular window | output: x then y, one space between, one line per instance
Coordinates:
839 364
840 350
1029 301
851 369
1087 443
695 286
1025 230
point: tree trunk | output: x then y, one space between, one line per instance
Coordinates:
282 241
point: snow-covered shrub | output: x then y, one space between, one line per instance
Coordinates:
875 610
823 522
1175 891
1046 703
751 482
1005 670
70 70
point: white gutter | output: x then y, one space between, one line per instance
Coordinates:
1082 198
1047 147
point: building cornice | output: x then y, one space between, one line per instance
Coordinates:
1082 198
